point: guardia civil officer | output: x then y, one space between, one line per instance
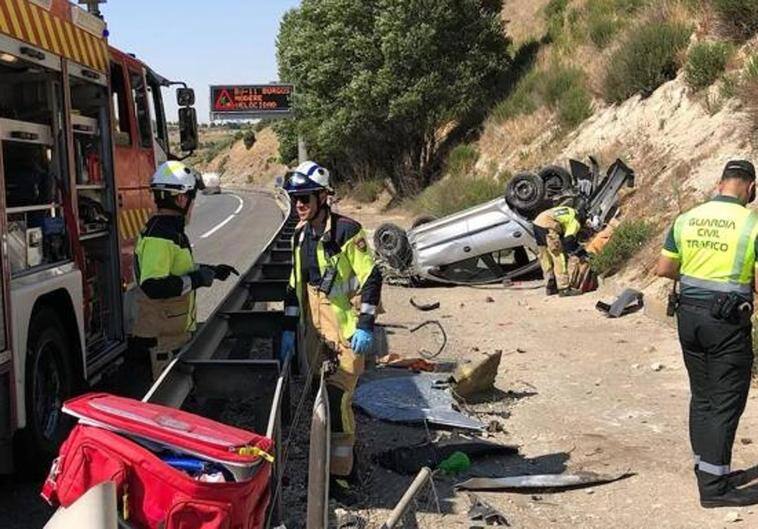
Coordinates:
333 293
711 251
165 270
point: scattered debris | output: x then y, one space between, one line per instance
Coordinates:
628 302
649 349
656 366
455 463
427 354
482 514
414 364
397 513
495 426
475 377
348 520
413 399
410 459
746 441
520 351
543 481
489 299
732 517
425 307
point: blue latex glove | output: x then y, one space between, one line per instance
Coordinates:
288 346
362 341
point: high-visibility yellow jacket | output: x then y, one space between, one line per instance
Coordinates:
563 219
342 248
715 244
165 299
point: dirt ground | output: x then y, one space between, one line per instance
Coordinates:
577 391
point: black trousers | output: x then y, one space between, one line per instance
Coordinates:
719 359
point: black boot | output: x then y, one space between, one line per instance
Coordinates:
551 288
731 497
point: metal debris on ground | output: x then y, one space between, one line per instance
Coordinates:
410 459
397 513
425 307
476 377
482 514
414 399
427 354
629 302
542 481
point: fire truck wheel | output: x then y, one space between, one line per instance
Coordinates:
48 384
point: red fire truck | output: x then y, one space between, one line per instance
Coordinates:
82 127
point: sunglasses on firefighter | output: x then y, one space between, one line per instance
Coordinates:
304 199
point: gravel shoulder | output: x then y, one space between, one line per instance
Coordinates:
577 391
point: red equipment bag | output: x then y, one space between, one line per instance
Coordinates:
129 442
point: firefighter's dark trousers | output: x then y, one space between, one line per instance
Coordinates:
719 359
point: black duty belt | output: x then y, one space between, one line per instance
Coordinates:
694 302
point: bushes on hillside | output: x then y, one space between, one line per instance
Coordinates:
562 88
648 58
740 16
249 139
366 191
461 159
749 89
456 193
627 239
706 62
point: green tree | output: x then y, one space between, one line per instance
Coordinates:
377 81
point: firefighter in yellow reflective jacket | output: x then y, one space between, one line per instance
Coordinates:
165 270
556 231
334 292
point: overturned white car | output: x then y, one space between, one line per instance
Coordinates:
495 241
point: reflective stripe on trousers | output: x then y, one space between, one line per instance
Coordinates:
322 340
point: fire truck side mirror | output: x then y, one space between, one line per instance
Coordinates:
185 97
188 129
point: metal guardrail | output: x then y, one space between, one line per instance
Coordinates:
232 357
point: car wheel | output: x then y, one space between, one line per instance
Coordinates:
391 243
49 382
525 192
557 181
423 219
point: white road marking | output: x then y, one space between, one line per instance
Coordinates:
239 208
225 221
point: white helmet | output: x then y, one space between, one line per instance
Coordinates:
176 179
308 177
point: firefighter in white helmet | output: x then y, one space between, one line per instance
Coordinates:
333 293
164 269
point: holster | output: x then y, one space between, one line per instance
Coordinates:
731 307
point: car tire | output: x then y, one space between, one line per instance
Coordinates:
525 192
391 243
557 181
423 219
49 383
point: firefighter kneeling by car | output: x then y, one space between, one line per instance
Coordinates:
165 270
556 231
332 265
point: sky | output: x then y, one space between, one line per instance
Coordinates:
200 42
